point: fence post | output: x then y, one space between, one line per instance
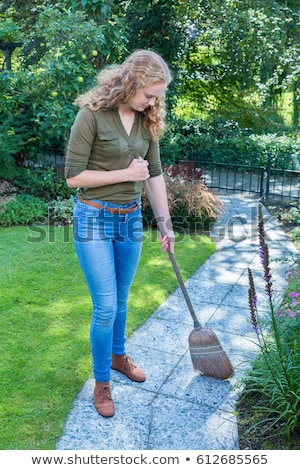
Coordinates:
261 186
268 177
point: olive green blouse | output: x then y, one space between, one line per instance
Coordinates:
99 141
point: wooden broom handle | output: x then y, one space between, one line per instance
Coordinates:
171 256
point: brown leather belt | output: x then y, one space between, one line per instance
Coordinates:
112 210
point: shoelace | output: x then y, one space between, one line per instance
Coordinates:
128 361
104 393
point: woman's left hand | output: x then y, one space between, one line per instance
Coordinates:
167 242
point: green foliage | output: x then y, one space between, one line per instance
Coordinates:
19 133
274 379
10 31
22 210
61 211
158 26
43 183
67 68
224 140
239 54
291 216
7 160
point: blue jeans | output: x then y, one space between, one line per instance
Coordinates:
108 248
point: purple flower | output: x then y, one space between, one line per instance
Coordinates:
294 294
291 314
281 313
252 299
264 254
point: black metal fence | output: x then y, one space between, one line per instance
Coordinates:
51 157
263 181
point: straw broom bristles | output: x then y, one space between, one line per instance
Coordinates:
207 354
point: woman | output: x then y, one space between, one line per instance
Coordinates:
113 148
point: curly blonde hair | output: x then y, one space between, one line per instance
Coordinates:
118 83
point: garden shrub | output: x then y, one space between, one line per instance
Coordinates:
43 183
61 211
192 206
23 209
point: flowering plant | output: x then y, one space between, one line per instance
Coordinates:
275 377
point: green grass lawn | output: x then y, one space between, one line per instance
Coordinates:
45 314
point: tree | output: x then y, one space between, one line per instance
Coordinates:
36 101
239 53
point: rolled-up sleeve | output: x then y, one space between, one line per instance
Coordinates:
82 136
153 157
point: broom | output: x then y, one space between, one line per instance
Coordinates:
206 352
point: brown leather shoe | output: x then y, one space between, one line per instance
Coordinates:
102 399
125 365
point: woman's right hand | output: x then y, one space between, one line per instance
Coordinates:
138 170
